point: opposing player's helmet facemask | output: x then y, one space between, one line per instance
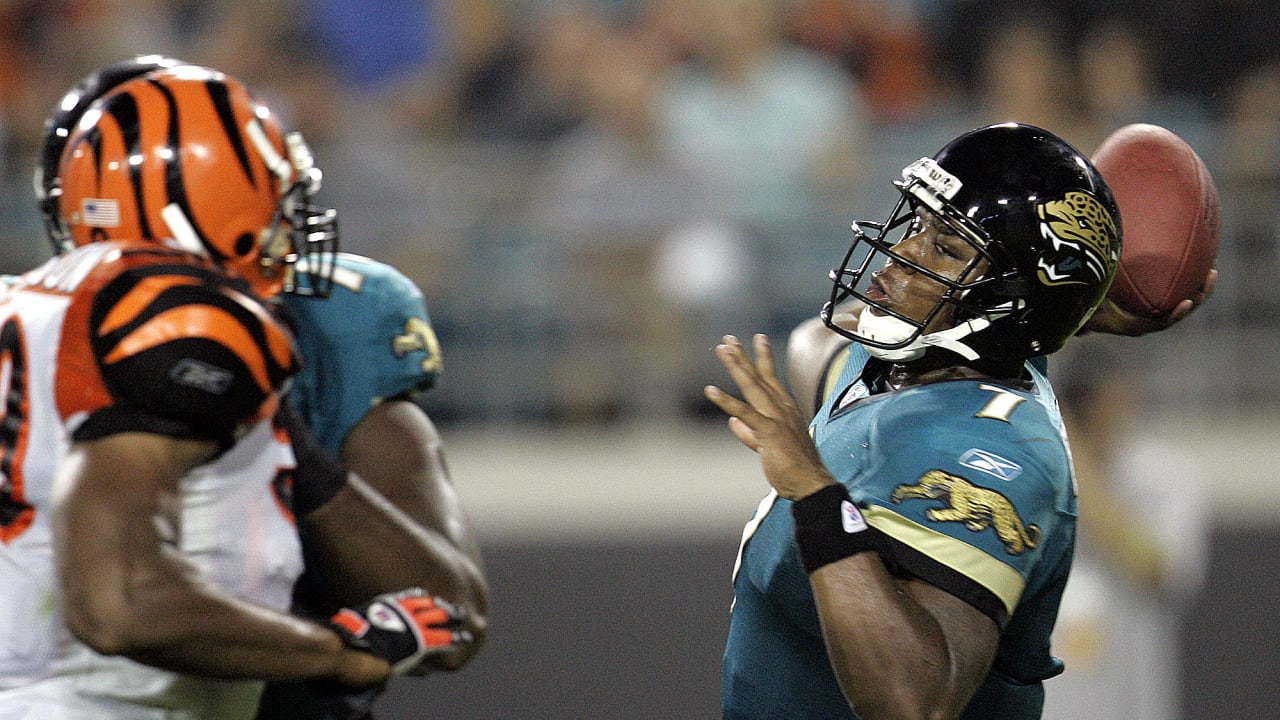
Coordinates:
1047 235
186 157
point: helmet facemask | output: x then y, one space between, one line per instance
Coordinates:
302 240
1032 208
971 296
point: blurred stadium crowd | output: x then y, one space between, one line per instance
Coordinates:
591 192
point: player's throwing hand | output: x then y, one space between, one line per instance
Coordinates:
768 421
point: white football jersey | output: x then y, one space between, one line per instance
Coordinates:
235 523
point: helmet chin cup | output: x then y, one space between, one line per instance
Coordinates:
888 338
905 342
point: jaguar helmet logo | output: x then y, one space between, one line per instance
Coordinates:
1083 240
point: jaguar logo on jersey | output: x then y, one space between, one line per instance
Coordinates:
1085 243
418 337
978 508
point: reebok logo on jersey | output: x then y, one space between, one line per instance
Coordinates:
201 375
990 463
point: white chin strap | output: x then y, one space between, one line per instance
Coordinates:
890 330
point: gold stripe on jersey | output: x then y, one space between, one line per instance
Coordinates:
1002 580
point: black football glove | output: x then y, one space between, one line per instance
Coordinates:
404 628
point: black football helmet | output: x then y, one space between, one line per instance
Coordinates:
1039 215
58 127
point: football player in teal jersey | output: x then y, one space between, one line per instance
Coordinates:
910 557
358 392
368 351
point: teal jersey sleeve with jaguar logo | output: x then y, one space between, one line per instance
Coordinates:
371 339
972 480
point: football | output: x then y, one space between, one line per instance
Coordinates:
1169 213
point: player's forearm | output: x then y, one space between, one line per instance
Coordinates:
398 452
367 546
222 638
160 614
418 486
127 591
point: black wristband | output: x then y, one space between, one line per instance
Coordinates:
830 527
318 475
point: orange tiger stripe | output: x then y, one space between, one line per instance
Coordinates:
79 384
139 297
351 621
268 408
279 341
192 321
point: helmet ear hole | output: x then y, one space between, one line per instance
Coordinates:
244 244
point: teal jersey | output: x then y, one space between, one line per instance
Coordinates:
972 483
371 339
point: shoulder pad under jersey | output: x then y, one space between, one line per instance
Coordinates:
161 341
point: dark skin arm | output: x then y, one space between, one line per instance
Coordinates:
127 591
900 648
402 509
810 349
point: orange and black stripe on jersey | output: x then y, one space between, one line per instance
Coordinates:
175 346
16 514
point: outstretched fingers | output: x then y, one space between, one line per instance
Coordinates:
765 403
768 420
757 379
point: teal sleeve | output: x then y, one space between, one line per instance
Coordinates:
370 340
